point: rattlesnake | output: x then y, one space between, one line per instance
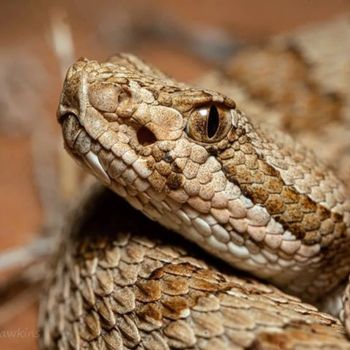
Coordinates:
192 160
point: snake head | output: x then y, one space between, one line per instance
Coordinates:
189 159
137 129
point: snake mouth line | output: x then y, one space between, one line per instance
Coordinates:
81 146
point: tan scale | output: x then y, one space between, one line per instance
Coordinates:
120 283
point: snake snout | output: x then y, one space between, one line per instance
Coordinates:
74 93
70 128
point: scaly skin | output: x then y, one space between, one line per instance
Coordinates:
120 282
246 194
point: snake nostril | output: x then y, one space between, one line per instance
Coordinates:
145 136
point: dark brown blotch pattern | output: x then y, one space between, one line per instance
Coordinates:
264 185
127 290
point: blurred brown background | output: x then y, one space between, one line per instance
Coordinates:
39 38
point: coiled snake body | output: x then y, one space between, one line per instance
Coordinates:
192 161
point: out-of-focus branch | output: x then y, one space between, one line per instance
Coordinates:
24 255
63 48
21 290
61 39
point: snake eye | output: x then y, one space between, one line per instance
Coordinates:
209 123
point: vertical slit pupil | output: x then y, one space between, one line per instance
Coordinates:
213 121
